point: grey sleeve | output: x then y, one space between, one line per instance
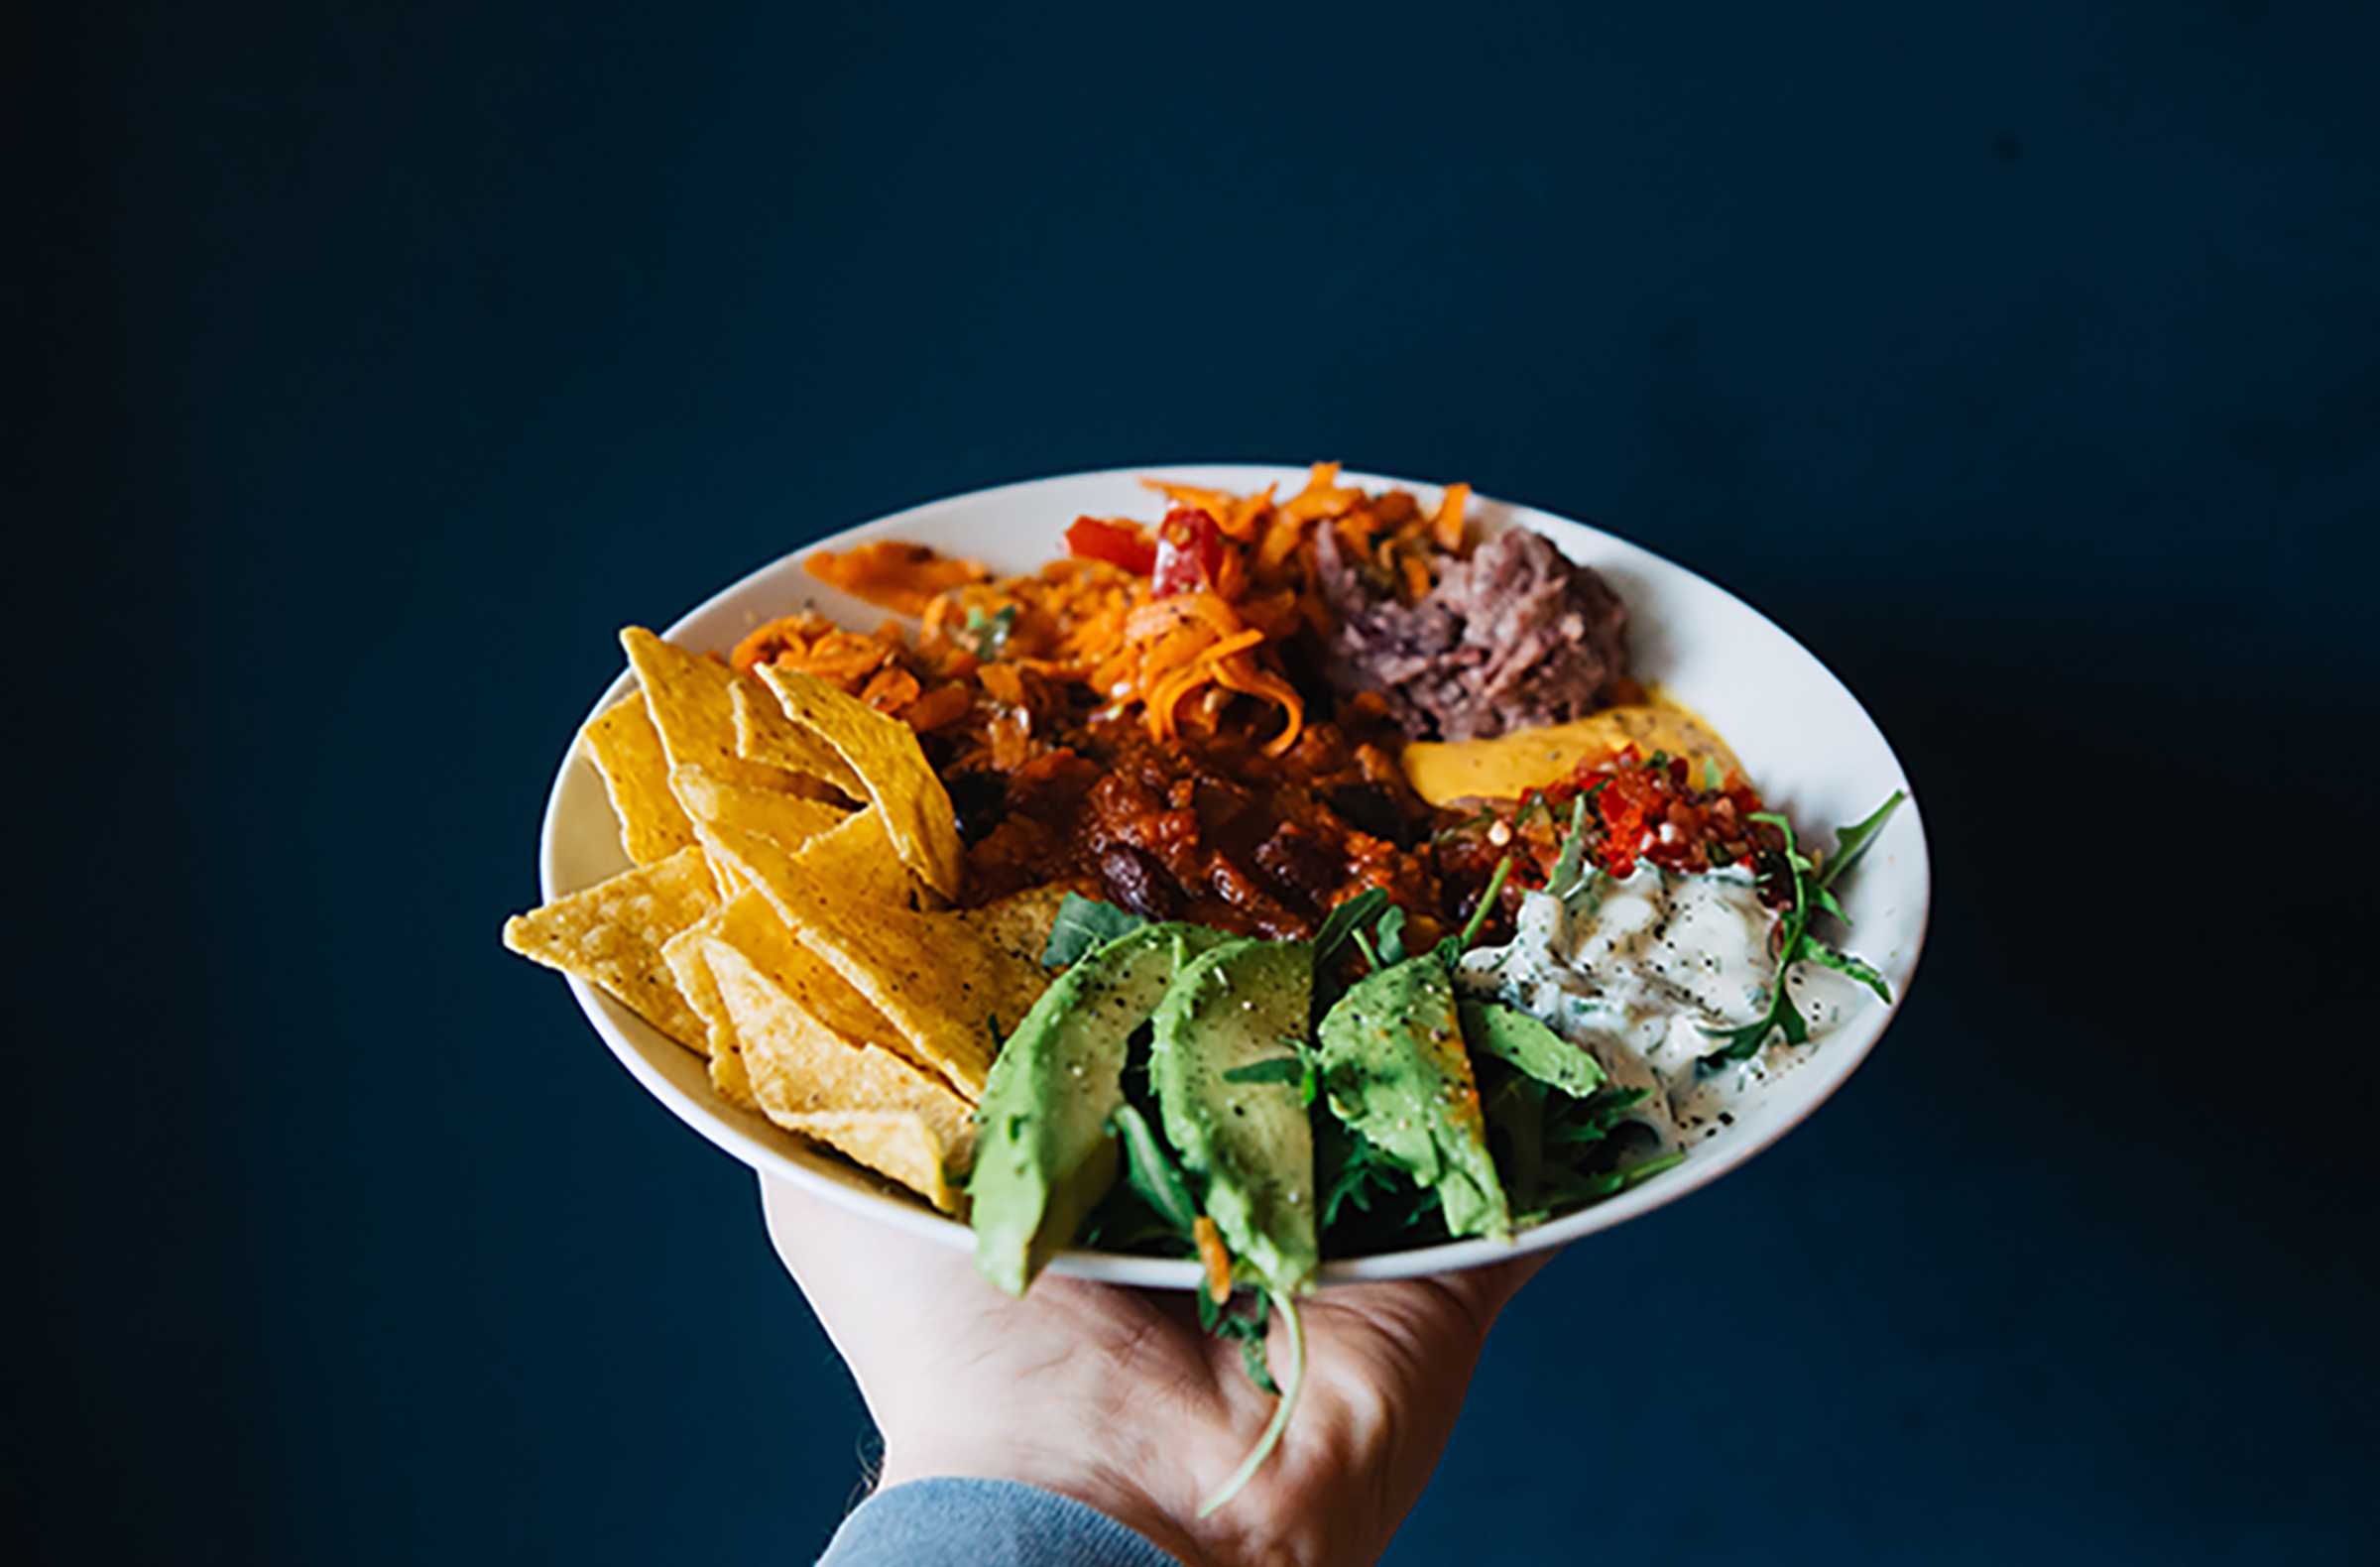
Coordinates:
983 1524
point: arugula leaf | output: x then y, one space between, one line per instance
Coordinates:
1281 1411
1151 1170
1510 1034
1574 847
1344 920
1247 1329
1819 952
1852 842
1582 1186
1390 934
1455 946
1352 1174
1084 923
1122 1221
1782 1015
1584 1120
1797 945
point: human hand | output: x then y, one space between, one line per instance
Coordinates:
1115 1397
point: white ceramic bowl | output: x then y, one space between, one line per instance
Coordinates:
1808 744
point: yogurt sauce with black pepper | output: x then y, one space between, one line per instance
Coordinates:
1635 970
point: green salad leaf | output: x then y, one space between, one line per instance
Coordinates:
1084 923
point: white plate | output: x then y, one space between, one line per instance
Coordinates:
1809 746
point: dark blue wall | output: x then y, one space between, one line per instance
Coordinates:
2024 359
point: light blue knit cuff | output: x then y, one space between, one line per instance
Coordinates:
983 1524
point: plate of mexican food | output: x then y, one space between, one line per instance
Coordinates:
1231 878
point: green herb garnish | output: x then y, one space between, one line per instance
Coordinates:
988 634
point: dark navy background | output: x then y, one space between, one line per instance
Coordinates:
2025 360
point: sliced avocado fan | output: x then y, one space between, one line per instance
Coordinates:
1044 1155
1396 1070
1249 1143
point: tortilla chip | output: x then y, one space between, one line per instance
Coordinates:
789 819
951 991
610 935
764 734
687 696
627 751
900 1143
1018 924
885 753
801 1063
692 972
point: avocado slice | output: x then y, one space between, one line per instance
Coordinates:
1251 1143
1044 1156
1394 1066
1510 1034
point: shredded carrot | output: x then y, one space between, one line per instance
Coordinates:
1446 529
891 689
942 706
1213 1256
1322 496
896 576
990 652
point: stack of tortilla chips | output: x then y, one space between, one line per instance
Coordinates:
787 913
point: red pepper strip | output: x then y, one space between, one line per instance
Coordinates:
1114 543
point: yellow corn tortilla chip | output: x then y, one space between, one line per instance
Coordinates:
751 927
789 820
627 751
1018 924
951 991
764 734
900 1143
687 696
692 972
610 935
800 1064
885 753
749 924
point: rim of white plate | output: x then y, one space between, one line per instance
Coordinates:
1890 897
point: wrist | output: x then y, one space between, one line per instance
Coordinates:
1093 1485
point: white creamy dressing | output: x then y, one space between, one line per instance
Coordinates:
1636 970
